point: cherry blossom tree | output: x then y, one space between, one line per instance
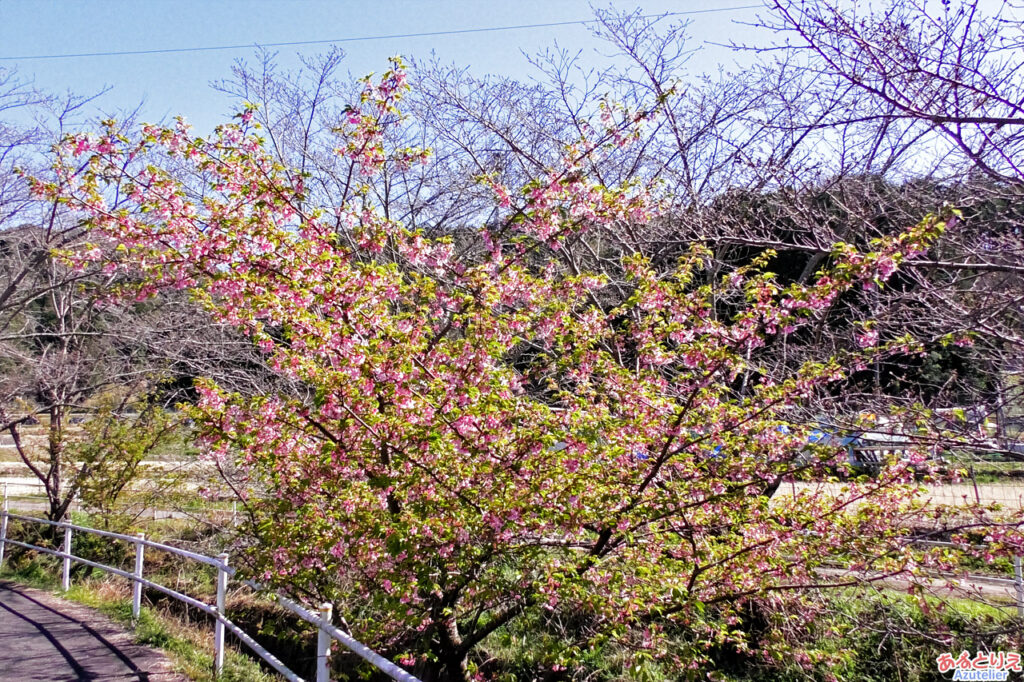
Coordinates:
473 434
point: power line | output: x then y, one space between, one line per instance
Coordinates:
172 50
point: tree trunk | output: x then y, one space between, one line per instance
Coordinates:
451 657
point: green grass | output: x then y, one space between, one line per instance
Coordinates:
857 634
963 607
189 648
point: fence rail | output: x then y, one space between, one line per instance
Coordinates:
326 631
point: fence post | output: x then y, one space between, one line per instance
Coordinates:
323 644
1018 580
3 527
65 577
140 550
218 627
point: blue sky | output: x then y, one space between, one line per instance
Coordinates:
178 83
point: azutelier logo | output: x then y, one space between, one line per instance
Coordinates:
982 666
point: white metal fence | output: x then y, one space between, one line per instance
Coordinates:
326 631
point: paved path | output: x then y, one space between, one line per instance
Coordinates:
987 590
43 638
1010 494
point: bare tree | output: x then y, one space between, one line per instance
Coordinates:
952 67
69 344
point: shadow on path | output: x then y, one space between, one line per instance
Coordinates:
44 638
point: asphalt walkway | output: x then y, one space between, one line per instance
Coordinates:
43 638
